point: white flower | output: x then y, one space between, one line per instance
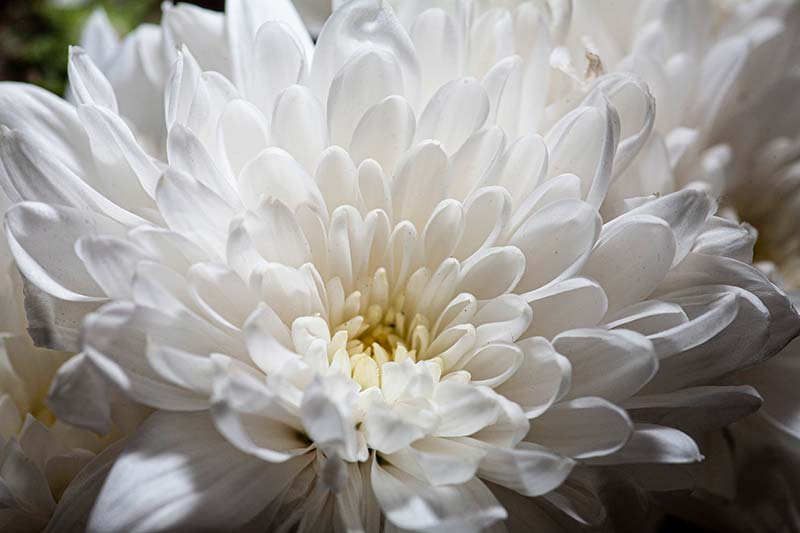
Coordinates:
39 455
359 290
724 75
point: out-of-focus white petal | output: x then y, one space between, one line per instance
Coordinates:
188 465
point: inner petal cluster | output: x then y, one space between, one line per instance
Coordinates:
380 334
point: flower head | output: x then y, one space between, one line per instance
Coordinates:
359 288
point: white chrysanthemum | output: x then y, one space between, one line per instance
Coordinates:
724 75
729 74
360 290
39 455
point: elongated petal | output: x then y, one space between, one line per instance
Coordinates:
585 427
411 504
173 470
51 262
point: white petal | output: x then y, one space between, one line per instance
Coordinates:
389 431
32 173
472 165
275 173
52 322
201 30
539 380
72 511
186 152
631 258
464 409
492 272
454 113
111 261
243 133
708 335
585 427
374 187
685 212
522 167
51 121
556 241
245 17
487 212
569 304
118 351
115 145
42 239
24 481
578 498
87 82
726 238
493 364
631 98
359 26
655 444
720 67
410 503
650 317
99 38
326 417
365 80
80 396
267 338
438 34
184 101
194 210
502 319
528 469
418 184
254 420
611 364
384 132
784 321
337 178
695 408
442 232
277 235
278 62
172 471
299 126
439 461
583 143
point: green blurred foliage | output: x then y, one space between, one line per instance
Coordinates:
35 34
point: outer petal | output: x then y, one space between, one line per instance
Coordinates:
411 504
528 469
355 26
42 239
611 364
654 444
586 427
176 469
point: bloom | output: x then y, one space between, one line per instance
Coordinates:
358 288
39 454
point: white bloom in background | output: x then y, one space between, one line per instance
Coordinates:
359 289
726 76
39 455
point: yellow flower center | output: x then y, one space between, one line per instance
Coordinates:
381 334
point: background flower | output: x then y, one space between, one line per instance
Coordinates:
41 455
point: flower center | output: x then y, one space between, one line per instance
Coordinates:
380 332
